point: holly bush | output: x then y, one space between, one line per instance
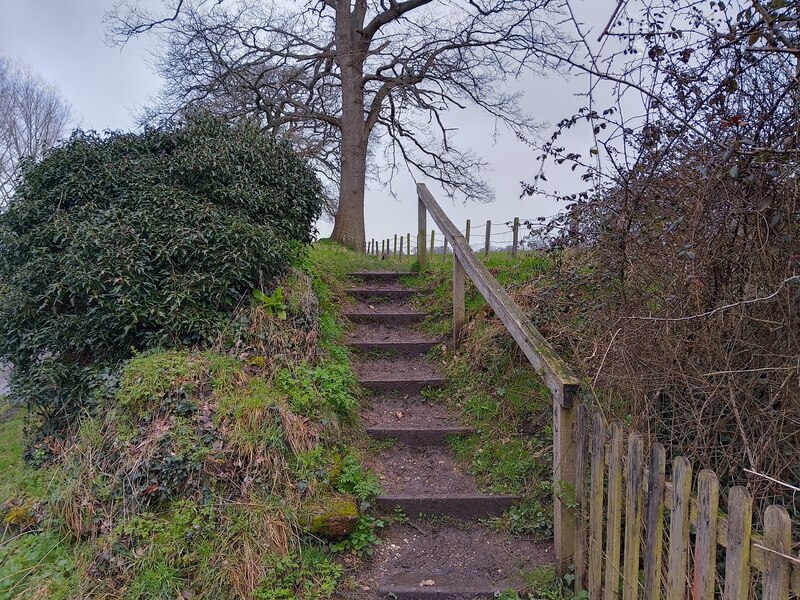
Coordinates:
120 242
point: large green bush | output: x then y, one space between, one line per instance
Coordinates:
119 242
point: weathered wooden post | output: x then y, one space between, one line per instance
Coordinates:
433 234
401 246
369 247
422 227
408 244
395 244
565 451
488 238
466 234
515 243
459 314
383 248
444 252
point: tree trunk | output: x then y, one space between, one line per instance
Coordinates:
348 226
351 53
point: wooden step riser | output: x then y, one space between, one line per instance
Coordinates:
381 295
400 348
417 437
401 386
388 277
385 318
434 593
460 507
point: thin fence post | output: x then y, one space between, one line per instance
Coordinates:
395 244
466 231
458 300
515 243
488 237
388 247
401 246
422 227
444 252
369 247
408 245
433 233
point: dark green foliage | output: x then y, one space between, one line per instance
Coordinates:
124 242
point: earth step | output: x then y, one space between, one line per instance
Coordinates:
387 293
409 385
450 559
384 317
417 436
380 276
409 347
399 411
375 337
408 375
460 506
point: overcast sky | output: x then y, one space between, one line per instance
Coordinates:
64 41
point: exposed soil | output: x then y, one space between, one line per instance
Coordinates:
420 471
453 554
384 307
375 332
401 367
381 286
407 411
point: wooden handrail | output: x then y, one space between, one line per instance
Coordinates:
557 375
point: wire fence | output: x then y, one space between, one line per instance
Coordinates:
503 236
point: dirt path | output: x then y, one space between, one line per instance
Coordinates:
443 551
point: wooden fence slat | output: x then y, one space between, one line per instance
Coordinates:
737 557
614 519
653 553
679 529
581 464
633 517
705 548
777 537
596 507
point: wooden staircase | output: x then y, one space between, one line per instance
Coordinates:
427 558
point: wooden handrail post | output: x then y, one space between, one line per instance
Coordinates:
516 237
565 451
488 238
459 314
422 227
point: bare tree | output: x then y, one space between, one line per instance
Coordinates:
344 75
33 116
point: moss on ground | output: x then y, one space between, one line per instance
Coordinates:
193 476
